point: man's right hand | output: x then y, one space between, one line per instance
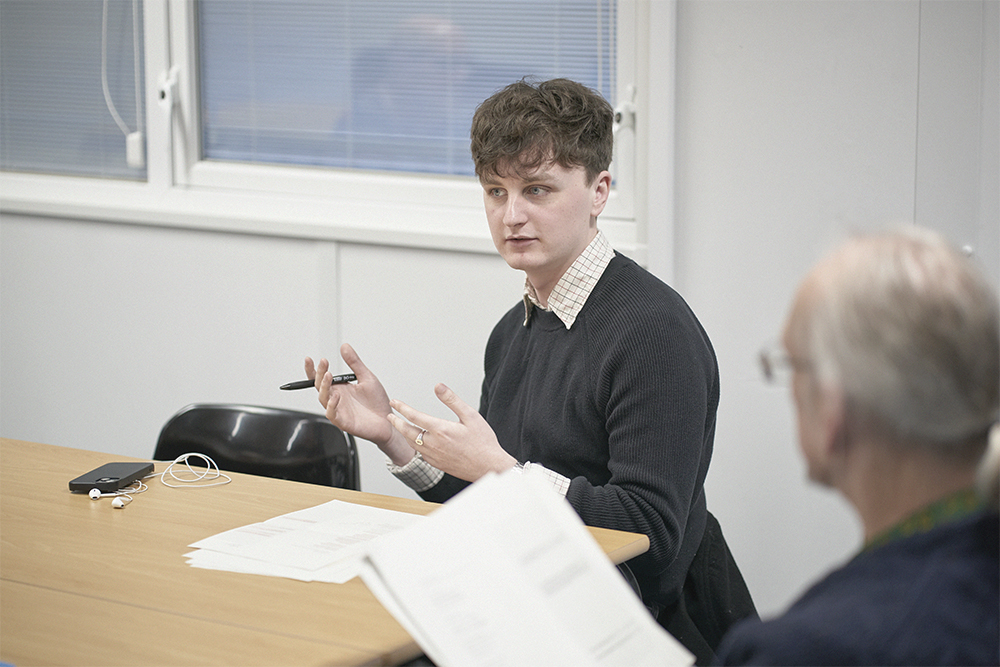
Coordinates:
360 409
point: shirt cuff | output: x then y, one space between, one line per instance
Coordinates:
417 474
559 483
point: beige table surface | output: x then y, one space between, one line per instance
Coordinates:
84 584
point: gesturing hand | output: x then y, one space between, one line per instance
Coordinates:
360 409
467 449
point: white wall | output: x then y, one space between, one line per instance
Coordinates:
798 122
795 122
109 329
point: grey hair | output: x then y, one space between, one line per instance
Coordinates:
909 330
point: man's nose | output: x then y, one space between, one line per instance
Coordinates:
514 212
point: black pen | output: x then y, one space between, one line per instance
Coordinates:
305 384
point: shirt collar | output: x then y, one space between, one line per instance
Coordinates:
950 508
574 287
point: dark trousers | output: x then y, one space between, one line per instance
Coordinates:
713 598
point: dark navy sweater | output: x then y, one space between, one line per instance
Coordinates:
928 599
623 404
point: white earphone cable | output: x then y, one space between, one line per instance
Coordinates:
188 477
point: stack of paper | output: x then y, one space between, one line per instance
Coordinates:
506 573
322 543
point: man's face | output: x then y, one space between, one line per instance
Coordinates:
541 223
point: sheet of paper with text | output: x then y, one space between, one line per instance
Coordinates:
506 573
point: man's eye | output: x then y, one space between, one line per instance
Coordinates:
536 190
496 192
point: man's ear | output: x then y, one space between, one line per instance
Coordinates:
602 190
833 421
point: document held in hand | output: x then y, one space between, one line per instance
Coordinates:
506 573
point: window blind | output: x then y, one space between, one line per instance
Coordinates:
390 85
55 58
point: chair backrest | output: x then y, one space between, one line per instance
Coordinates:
271 442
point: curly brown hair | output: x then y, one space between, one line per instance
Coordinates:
528 124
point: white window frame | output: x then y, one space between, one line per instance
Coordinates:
443 212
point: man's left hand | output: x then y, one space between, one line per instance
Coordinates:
467 449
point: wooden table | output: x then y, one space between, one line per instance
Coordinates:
84 584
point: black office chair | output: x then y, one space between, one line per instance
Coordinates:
271 442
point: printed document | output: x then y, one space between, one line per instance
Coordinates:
506 573
321 543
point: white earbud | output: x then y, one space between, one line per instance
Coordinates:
95 494
118 503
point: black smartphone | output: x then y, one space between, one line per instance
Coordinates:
110 477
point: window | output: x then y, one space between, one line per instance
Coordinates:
257 120
376 85
71 87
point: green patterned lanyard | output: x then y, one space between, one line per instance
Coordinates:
949 508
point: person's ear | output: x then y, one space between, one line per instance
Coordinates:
602 190
832 421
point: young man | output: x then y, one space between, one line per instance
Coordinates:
602 378
893 345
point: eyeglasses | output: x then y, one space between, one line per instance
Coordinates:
777 366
